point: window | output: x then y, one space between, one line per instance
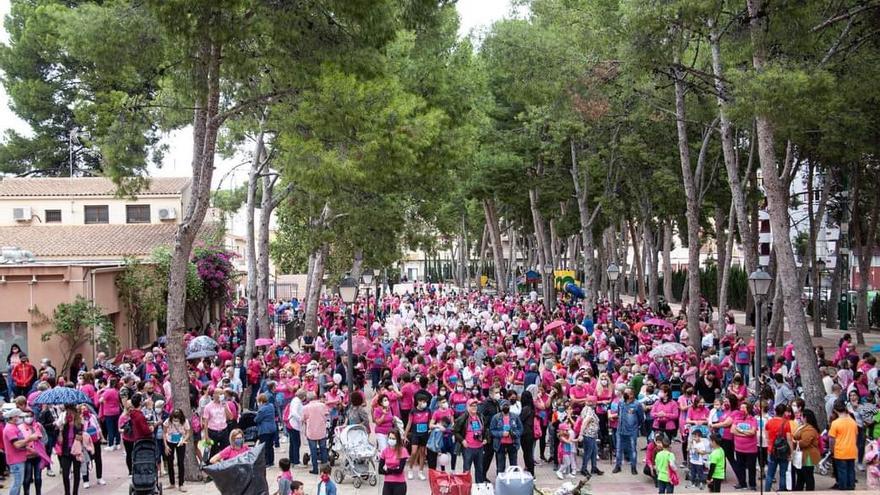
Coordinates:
765 226
97 214
765 249
137 213
53 216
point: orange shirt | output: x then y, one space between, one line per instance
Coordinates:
844 431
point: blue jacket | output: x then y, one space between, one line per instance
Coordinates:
330 489
631 415
265 419
496 428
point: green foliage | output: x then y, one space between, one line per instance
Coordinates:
195 290
73 324
143 293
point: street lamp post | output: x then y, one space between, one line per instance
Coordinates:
817 298
759 283
348 291
376 273
549 297
613 272
367 279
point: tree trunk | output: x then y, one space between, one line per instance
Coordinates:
777 199
638 261
497 247
692 213
651 265
251 255
864 227
482 266
747 235
206 125
545 256
304 300
834 296
667 261
586 218
513 266
464 254
314 294
266 206
724 269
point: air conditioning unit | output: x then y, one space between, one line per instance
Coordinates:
167 213
22 214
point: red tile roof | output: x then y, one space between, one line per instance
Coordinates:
85 186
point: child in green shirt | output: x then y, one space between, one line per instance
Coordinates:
664 460
717 465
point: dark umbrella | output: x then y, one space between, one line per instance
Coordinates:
63 395
201 354
111 368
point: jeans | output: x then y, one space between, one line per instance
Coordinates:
474 457
17 472
744 371
99 465
506 452
295 441
846 474
626 446
665 486
111 423
772 463
698 473
591 455
268 449
318 452
33 473
375 374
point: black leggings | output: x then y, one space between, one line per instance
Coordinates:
68 461
745 468
528 448
128 445
805 479
99 465
180 451
542 442
394 488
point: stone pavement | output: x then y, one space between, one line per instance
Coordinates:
116 476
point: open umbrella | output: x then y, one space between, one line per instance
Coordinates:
201 343
225 355
63 395
659 323
131 354
264 341
110 368
360 345
667 349
553 325
201 354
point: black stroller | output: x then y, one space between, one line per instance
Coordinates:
144 473
247 424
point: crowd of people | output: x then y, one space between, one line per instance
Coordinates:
462 380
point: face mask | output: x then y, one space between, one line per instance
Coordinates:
392 442
422 406
385 403
443 405
459 389
28 420
795 408
496 396
442 393
238 442
561 416
605 382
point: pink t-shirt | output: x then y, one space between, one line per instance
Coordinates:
110 404
741 443
215 412
230 452
14 455
474 427
505 420
407 392
392 460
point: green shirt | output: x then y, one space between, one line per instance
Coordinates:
661 463
636 383
717 458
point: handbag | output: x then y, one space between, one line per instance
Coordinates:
446 483
673 476
482 489
514 481
435 441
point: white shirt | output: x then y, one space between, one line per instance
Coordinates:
294 415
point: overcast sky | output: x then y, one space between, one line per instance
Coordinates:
475 15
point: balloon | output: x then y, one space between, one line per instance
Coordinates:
533 326
497 325
441 338
421 340
452 335
459 347
520 353
505 318
337 378
376 325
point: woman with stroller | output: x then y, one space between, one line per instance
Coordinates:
176 434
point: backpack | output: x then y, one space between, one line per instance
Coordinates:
781 449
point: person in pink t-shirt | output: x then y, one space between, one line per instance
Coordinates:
15 445
392 460
236 447
745 444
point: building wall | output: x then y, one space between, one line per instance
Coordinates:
72 208
29 303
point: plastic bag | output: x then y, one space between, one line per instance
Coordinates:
482 489
435 441
242 475
447 483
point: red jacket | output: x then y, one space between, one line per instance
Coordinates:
140 429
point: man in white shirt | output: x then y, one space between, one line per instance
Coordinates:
293 423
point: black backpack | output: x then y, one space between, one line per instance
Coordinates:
781 450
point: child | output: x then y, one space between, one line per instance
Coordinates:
698 449
872 464
717 465
285 479
329 487
567 451
664 463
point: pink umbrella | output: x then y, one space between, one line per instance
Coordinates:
263 342
224 355
658 322
553 325
360 345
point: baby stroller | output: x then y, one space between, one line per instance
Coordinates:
247 423
144 474
356 454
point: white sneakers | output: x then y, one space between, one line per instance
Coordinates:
422 476
86 484
559 475
409 475
101 481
